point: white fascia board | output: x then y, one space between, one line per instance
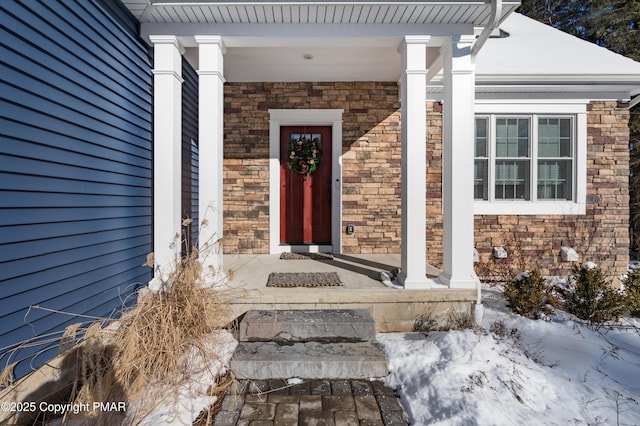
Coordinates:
320 2
452 3
552 95
532 92
252 35
531 106
632 81
552 79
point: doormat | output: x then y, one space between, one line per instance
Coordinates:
304 279
306 256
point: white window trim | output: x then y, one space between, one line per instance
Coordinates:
577 109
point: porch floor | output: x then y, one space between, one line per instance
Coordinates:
393 309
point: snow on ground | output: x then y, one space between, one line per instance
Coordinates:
555 372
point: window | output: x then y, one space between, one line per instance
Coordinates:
481 163
525 157
555 158
512 165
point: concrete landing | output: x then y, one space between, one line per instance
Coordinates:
393 309
308 325
310 360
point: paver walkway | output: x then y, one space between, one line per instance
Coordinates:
314 402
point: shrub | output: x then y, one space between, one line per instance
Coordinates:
426 322
455 320
632 289
528 294
590 296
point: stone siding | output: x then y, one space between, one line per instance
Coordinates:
371 179
371 160
602 235
371 172
434 184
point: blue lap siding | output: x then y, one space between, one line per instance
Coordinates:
75 167
190 153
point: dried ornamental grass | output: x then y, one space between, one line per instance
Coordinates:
153 338
6 375
159 344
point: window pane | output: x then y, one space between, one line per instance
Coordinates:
480 180
554 180
554 137
512 137
481 138
512 180
318 139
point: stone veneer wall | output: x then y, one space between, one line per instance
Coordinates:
434 184
602 235
371 179
371 160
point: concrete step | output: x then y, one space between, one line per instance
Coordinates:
307 325
309 360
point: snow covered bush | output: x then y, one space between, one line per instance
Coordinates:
632 289
529 295
590 296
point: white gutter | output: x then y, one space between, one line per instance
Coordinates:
496 15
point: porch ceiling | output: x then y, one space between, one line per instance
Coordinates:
287 64
334 60
475 12
304 40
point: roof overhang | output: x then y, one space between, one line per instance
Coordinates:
534 59
617 86
311 40
585 86
475 12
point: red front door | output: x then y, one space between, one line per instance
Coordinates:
305 199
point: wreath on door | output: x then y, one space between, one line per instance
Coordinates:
305 154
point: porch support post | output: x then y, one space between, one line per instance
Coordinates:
413 51
458 132
210 139
167 139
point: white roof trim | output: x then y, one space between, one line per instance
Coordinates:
356 40
535 52
475 12
536 58
558 78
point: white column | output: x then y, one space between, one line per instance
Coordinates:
210 140
414 164
167 150
458 143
